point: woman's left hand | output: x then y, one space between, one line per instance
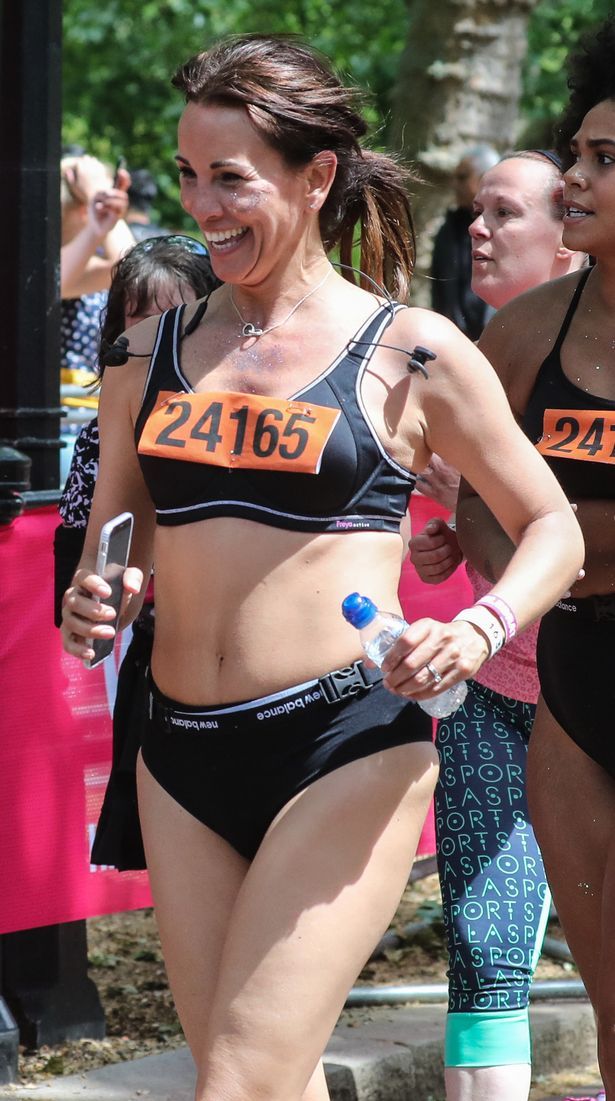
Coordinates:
454 650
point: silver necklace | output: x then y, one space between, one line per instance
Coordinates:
248 329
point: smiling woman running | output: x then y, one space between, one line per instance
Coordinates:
283 784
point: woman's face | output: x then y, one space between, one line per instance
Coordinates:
589 185
515 236
249 205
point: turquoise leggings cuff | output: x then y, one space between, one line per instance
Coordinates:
487 1039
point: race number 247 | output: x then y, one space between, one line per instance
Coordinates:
585 434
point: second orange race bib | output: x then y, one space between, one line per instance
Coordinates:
239 430
586 434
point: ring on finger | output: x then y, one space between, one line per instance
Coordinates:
434 672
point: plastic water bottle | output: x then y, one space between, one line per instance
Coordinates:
378 632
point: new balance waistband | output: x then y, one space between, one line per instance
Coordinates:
333 687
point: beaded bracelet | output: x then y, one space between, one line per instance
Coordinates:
487 623
503 611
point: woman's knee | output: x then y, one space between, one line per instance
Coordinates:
235 1070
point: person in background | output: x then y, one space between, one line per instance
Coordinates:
265 445
153 276
493 883
94 237
141 197
451 264
94 230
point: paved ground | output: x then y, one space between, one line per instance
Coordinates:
390 1054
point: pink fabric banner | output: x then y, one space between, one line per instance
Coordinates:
55 749
55 737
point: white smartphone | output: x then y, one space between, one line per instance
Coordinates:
111 561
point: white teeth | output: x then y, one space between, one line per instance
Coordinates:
225 234
574 212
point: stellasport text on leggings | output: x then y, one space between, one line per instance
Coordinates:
494 890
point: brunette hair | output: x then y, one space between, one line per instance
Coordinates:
591 79
144 274
300 107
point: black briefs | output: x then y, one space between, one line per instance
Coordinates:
576 655
235 767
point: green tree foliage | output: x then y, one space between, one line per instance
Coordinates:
119 56
554 30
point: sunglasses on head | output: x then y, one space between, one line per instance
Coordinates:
190 244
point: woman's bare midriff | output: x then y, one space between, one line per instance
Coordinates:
243 610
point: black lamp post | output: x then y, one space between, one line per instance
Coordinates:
43 972
30 144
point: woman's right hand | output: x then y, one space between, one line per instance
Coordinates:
85 615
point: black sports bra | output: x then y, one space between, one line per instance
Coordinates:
573 430
310 463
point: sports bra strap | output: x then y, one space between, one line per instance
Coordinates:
161 370
366 340
172 321
570 312
198 316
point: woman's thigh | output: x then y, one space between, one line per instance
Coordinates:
572 804
321 890
195 876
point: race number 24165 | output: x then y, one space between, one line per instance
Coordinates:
238 430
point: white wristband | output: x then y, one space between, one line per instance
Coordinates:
488 624
504 612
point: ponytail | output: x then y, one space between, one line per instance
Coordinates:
370 191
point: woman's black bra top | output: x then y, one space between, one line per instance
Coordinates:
573 430
310 463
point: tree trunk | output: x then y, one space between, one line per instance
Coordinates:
458 85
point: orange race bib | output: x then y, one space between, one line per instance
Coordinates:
586 434
239 430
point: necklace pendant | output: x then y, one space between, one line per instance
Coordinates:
251 330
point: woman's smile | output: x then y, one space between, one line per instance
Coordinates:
249 205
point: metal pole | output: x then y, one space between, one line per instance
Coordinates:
30 144
43 972
541 990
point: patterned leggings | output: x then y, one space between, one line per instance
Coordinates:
494 890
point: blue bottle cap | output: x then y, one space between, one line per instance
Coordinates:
358 610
